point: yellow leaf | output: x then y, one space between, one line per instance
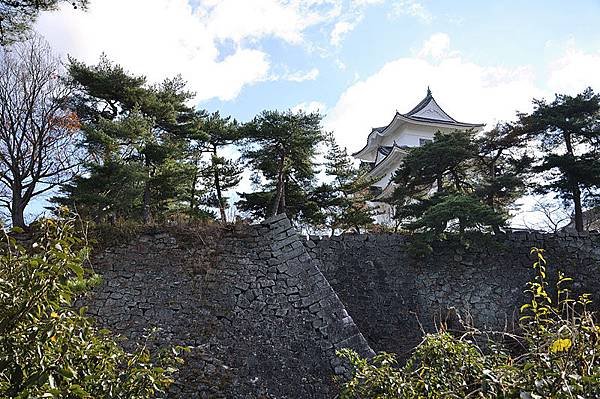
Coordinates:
561 345
54 315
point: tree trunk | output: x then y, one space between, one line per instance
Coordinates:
193 188
439 182
279 191
17 211
282 202
193 193
146 205
578 209
146 200
220 197
218 188
575 190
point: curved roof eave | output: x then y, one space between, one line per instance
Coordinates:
418 120
396 151
387 191
377 130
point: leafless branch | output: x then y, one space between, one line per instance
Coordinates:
38 132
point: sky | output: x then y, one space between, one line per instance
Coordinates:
356 61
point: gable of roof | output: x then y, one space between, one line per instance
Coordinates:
426 112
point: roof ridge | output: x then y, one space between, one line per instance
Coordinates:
421 104
424 102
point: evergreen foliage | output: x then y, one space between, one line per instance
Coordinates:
18 16
453 183
568 131
48 348
135 135
503 165
343 201
280 147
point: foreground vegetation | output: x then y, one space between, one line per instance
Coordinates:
556 356
48 347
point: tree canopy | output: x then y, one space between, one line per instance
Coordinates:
218 174
134 134
449 184
281 149
18 16
567 130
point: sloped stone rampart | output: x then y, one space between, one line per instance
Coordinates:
264 310
393 296
260 317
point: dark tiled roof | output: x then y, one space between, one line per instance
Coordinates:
410 116
422 104
443 122
385 150
428 98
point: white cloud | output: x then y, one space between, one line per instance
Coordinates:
575 71
310 106
301 76
467 91
340 30
161 38
411 8
241 19
356 12
366 2
436 46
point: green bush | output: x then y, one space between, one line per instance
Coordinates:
559 357
49 349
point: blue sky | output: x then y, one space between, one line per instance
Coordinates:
508 33
355 60
243 56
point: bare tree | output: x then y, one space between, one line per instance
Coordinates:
554 216
37 129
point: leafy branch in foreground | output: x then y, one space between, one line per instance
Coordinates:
49 349
560 357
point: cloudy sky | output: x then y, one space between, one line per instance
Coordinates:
357 61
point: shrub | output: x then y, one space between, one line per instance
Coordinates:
50 349
560 341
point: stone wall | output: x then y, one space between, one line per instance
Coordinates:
260 317
393 296
264 310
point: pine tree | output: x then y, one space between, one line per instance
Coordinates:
137 132
18 16
343 201
502 166
439 186
568 131
281 147
219 173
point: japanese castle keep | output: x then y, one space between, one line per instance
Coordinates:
386 145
